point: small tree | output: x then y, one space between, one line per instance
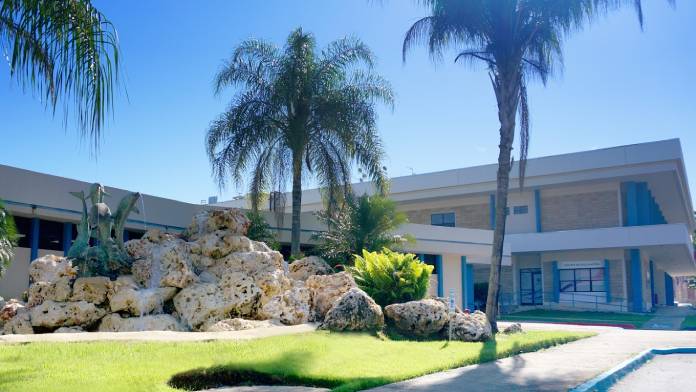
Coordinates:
8 239
362 223
260 230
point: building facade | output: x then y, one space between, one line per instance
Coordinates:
606 229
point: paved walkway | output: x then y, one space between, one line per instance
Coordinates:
674 372
668 318
555 369
160 336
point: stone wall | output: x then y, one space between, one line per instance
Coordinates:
579 211
474 216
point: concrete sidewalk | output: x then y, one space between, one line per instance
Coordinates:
160 336
555 369
668 318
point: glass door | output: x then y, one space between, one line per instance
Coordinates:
531 286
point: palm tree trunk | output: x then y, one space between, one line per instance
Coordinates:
507 95
296 206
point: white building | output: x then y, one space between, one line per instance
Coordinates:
604 229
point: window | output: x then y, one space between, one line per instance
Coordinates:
445 219
24 230
581 280
430 260
520 210
50 235
133 235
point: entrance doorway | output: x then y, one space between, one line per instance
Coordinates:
531 286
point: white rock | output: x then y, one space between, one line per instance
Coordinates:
58 290
221 243
232 220
51 268
354 311
473 327
69 330
241 291
52 314
200 303
159 322
170 263
139 302
10 309
20 323
326 289
305 267
93 289
418 318
291 307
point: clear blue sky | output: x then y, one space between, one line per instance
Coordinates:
619 86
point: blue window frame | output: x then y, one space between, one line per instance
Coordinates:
582 280
442 219
519 210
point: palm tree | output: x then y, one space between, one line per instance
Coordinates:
63 49
516 40
297 113
8 237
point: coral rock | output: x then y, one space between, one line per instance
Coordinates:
291 307
52 314
418 318
69 330
239 289
326 289
232 220
354 311
19 324
159 322
312 265
10 309
58 290
51 268
139 302
201 303
94 289
473 327
167 263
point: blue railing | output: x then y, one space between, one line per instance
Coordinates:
580 301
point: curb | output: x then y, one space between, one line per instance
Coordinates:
607 379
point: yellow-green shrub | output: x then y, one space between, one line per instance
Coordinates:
391 277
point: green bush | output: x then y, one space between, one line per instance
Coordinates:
390 277
260 230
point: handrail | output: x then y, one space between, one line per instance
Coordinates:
579 300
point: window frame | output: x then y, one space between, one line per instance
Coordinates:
575 280
442 215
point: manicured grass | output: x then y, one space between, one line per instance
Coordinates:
345 362
563 316
689 323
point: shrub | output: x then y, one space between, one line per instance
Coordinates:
260 230
390 277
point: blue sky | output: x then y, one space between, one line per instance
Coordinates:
619 86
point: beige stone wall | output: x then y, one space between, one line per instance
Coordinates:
474 216
579 211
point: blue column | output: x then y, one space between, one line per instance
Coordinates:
491 204
607 281
467 271
636 294
537 209
652 284
556 281
35 222
631 203
67 237
126 237
438 263
669 290
643 204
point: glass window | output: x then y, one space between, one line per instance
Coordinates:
581 280
430 260
50 235
23 230
520 210
443 219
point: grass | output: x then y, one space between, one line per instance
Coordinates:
543 315
344 362
689 323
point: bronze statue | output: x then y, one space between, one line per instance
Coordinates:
107 256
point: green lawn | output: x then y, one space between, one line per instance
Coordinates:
689 323
345 362
542 315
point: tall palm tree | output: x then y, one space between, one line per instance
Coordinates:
8 236
64 50
298 112
516 40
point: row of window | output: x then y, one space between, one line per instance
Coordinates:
51 233
447 219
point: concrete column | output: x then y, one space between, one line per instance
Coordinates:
669 290
35 222
537 210
440 288
467 271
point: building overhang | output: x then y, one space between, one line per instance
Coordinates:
669 245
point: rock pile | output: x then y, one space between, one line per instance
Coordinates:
209 278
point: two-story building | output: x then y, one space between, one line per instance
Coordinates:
605 229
